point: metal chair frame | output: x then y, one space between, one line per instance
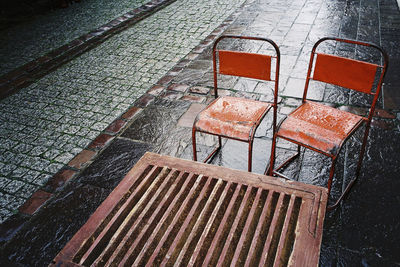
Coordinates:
254 128
366 120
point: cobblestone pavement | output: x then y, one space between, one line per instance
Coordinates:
29 40
46 124
363 231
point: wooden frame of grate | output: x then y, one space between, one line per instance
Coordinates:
169 211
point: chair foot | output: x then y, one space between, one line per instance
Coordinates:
289 160
212 154
334 206
281 175
346 191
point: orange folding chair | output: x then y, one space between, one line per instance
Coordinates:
322 128
233 117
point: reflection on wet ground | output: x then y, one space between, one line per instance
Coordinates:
363 231
27 41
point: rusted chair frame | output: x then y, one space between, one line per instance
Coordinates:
367 121
274 105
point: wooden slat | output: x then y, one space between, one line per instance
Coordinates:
186 222
234 227
207 229
172 224
196 228
183 213
271 231
129 235
263 218
284 232
214 243
246 229
118 217
163 219
133 218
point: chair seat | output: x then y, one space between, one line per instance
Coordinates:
231 117
320 127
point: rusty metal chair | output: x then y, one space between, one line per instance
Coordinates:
233 117
322 128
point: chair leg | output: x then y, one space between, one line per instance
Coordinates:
363 146
250 159
194 144
212 154
284 164
331 173
360 160
271 164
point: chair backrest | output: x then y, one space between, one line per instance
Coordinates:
345 72
244 64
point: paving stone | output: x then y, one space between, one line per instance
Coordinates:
222 92
101 141
40 164
199 90
6 199
59 179
131 113
35 202
7 169
57 26
245 85
144 101
55 223
30 176
171 95
155 122
99 126
286 110
19 172
9 228
110 78
26 191
13 186
384 114
188 118
113 163
4 214
41 179
54 167
371 205
194 98
155 90
179 141
178 87
81 159
232 155
116 126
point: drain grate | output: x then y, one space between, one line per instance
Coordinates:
168 212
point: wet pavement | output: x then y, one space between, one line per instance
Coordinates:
31 39
48 123
363 231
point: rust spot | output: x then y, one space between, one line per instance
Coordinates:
231 116
321 127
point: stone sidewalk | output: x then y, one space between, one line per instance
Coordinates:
24 42
48 123
363 231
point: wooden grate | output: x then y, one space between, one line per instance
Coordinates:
168 211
